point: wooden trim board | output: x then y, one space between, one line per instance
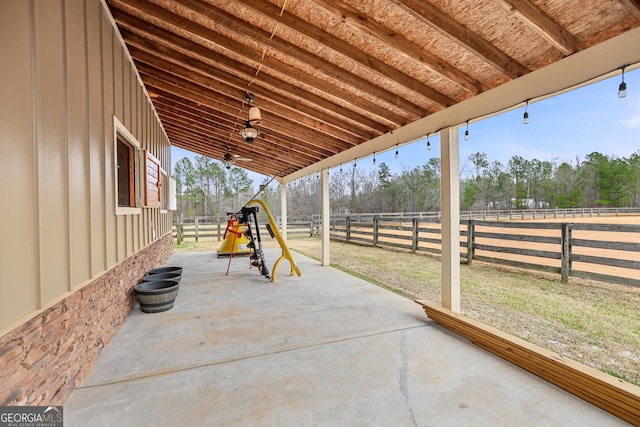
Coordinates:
614 395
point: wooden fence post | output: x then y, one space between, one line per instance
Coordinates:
375 230
470 238
565 252
347 224
219 221
195 221
180 229
414 235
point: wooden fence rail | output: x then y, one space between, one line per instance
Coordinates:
568 249
198 228
494 214
582 250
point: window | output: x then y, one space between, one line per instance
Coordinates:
126 177
126 173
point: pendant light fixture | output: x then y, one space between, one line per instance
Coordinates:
622 89
249 133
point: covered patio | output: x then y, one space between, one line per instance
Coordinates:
325 348
95 93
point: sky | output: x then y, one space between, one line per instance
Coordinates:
561 128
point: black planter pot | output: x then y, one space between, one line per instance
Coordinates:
162 270
157 296
162 276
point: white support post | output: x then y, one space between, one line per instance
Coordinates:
325 217
450 191
283 211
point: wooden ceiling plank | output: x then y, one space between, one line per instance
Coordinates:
465 37
279 132
204 96
188 123
218 146
330 71
349 51
265 167
192 118
360 21
323 123
152 53
528 13
137 32
633 6
193 83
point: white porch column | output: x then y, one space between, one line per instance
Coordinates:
325 217
450 195
283 211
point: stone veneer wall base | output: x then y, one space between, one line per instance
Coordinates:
46 357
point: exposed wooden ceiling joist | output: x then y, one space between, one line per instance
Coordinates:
550 30
330 76
448 26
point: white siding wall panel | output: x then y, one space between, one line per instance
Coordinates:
52 149
118 93
19 291
108 107
65 77
77 120
96 138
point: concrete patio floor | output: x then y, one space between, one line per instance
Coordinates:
323 349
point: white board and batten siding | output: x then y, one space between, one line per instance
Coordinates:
66 79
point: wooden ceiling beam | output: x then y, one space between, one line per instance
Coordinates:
465 37
191 117
266 167
529 13
357 19
139 33
333 74
154 54
633 6
261 148
279 132
218 146
230 96
340 46
183 121
190 85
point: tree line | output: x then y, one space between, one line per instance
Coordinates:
206 187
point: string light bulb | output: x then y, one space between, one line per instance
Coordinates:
428 143
374 158
355 163
396 151
525 116
466 132
622 89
